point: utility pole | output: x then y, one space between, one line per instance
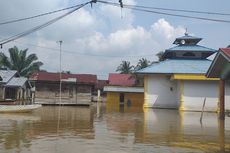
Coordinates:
60 66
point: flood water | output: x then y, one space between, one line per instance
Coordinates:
106 130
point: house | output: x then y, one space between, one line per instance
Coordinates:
179 81
76 89
99 94
13 88
122 91
220 68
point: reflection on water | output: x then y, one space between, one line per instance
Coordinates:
103 130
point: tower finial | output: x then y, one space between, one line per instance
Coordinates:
186 32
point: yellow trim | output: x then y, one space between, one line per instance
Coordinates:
181 95
191 77
145 91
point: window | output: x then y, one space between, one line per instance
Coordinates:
189 54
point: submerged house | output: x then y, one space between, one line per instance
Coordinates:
179 81
220 68
76 89
123 91
13 88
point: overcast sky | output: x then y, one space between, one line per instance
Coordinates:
96 40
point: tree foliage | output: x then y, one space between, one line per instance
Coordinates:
160 56
142 63
125 67
18 60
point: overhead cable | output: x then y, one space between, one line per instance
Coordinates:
141 9
17 36
180 10
39 15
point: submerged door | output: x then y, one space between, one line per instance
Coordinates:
11 93
122 99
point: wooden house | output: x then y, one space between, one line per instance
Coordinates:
179 81
13 88
220 68
76 89
123 92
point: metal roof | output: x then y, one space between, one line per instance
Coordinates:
188 39
220 67
16 82
49 76
226 51
6 75
124 89
178 66
116 79
194 48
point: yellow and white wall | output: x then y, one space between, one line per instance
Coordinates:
183 92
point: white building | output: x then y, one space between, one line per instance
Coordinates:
179 81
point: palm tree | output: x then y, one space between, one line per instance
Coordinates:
142 63
125 67
18 60
160 56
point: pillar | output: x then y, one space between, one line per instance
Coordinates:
221 99
181 108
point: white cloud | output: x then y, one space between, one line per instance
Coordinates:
94 32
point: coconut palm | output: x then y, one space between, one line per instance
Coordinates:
142 63
160 56
125 67
18 60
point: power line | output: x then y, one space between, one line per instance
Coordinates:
39 15
121 4
140 8
17 36
180 10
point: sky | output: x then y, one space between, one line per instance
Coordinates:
96 40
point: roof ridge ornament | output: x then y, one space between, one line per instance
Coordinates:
186 32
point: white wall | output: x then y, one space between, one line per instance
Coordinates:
164 89
196 91
227 95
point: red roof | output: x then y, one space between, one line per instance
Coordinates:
226 51
116 79
101 84
48 76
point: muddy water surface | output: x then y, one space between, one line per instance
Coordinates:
106 130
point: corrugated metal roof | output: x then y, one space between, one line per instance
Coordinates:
226 51
6 75
16 82
193 48
48 76
123 89
220 65
101 83
177 67
193 39
116 79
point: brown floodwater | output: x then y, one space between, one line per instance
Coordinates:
97 129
